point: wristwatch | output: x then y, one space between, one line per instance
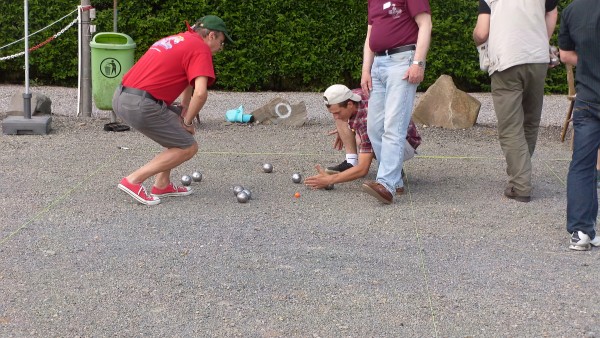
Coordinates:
185 124
419 63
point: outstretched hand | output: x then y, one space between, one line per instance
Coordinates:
319 181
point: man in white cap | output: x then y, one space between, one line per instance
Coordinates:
349 110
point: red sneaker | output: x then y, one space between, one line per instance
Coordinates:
171 190
138 192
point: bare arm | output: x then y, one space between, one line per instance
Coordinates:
321 180
358 171
368 56
423 20
345 136
551 18
481 32
194 101
568 57
186 96
416 73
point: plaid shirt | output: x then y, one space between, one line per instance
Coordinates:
358 124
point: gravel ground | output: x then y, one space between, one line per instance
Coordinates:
64 103
450 258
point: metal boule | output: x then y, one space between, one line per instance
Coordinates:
296 178
186 180
237 189
197 176
267 167
242 197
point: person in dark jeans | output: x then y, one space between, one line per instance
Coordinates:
578 42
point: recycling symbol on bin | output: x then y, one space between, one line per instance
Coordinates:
110 67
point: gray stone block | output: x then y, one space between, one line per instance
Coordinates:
18 125
40 104
280 112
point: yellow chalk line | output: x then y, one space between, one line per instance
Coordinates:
70 191
450 157
555 174
423 264
52 204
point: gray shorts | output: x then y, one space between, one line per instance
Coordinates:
157 120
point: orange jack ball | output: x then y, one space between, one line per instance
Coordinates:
297 195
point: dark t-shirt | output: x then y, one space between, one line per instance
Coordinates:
393 22
580 32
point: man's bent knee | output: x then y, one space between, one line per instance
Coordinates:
190 151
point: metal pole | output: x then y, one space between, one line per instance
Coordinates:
27 95
115 16
86 76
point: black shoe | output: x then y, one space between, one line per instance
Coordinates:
339 168
114 126
512 194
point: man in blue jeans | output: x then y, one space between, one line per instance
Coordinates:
578 41
398 37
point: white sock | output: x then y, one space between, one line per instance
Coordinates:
352 159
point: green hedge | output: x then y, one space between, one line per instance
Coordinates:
280 45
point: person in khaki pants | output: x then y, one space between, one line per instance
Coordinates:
518 34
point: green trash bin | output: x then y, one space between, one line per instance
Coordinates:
112 57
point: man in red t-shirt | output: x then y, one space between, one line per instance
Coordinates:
175 65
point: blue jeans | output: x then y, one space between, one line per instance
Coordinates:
390 109
582 197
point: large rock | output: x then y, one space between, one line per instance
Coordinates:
40 104
443 105
281 112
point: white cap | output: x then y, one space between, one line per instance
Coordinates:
339 93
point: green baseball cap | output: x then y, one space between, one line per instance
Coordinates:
213 23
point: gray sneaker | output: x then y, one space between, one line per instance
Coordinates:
582 242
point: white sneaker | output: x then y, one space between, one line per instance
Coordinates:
582 242
595 241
